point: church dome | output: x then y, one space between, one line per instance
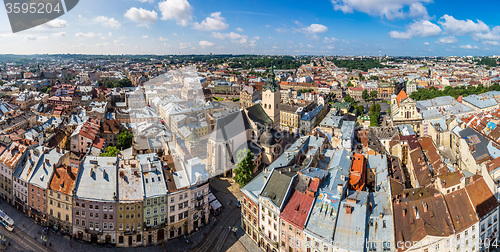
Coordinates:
267 138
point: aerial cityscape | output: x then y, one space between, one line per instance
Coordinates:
186 125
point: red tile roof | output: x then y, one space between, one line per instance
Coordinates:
297 209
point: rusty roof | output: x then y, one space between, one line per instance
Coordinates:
13 154
422 217
461 211
297 209
481 197
421 171
64 179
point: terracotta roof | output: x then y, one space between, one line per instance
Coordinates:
401 96
357 177
89 130
481 197
433 156
451 179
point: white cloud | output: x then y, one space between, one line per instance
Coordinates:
420 28
426 43
85 35
178 10
184 45
145 37
146 1
389 9
107 22
316 28
468 47
141 16
213 23
163 39
447 40
236 38
59 34
462 27
489 42
205 43
239 29
328 40
33 37
54 24
493 34
310 46
330 47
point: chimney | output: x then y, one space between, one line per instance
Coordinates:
57 149
425 207
340 187
404 212
348 209
381 215
68 169
104 173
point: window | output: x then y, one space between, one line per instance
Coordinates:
96 207
172 219
121 208
172 208
172 199
105 216
162 209
180 206
97 225
186 204
83 222
105 225
127 216
91 215
77 221
148 211
139 224
110 216
155 210
97 215
111 226
120 216
83 213
180 197
77 204
121 226
110 208
77 212
180 216
91 207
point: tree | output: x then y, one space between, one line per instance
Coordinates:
244 171
373 95
349 84
125 139
365 95
349 99
360 109
111 151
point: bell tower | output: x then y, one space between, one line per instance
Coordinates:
271 98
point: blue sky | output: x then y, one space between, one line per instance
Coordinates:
325 27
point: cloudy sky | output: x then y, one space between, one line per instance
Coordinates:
321 27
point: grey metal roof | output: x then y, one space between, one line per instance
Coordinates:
152 174
101 180
351 227
44 168
380 221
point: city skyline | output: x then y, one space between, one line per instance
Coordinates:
337 27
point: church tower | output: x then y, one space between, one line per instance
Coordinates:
271 98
